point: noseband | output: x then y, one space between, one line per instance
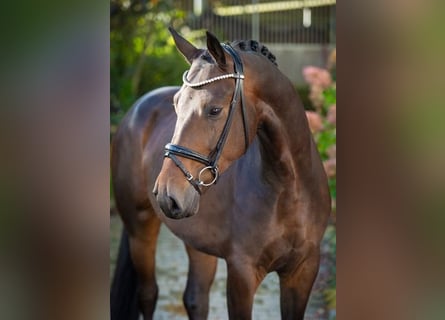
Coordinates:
211 161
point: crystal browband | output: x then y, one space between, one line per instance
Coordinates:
203 83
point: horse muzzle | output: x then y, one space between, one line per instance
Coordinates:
177 205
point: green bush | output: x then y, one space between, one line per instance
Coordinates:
142 54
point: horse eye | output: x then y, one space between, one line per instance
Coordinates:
214 111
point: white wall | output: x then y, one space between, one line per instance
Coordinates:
292 58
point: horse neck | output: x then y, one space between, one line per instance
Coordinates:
285 139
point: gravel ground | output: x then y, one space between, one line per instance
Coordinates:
171 273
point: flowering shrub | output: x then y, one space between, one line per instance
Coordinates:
323 119
319 80
323 122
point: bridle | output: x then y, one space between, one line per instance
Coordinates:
172 151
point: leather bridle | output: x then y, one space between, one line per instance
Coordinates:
172 151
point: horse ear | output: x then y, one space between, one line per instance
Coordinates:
216 50
188 50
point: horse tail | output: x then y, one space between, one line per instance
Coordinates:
123 295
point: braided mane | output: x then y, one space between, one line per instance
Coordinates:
252 45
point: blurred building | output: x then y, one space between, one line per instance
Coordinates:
298 32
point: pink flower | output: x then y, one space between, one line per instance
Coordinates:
332 151
332 114
316 97
317 76
315 122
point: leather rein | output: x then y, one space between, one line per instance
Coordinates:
174 151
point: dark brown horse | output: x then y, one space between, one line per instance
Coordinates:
228 163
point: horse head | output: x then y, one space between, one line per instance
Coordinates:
212 127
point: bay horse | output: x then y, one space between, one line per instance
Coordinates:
228 163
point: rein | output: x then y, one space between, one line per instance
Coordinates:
172 151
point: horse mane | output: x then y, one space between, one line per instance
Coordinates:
252 45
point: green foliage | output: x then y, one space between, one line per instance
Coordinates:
333 187
325 139
142 56
329 97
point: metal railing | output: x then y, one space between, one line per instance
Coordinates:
268 21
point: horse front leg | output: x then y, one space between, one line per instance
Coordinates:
242 282
202 269
296 285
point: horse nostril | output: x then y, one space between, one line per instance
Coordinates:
174 208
